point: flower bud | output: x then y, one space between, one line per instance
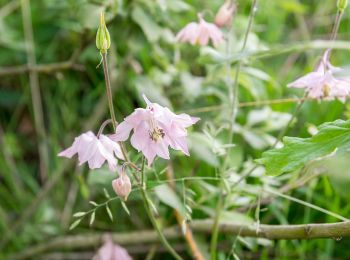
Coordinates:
103 40
122 186
225 14
342 4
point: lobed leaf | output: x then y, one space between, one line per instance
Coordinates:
297 152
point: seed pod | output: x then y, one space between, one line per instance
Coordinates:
103 40
225 14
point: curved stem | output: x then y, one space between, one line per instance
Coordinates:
102 127
151 216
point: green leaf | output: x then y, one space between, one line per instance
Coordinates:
79 214
170 198
109 212
93 203
150 28
125 208
202 148
106 193
75 224
92 218
297 152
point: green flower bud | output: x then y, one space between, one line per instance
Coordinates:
103 40
342 4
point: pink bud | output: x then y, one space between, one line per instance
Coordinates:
225 14
122 186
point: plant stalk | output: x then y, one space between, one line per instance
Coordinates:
151 216
233 112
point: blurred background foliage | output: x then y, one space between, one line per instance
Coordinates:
144 58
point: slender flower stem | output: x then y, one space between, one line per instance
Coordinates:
155 224
233 92
234 97
102 127
110 101
335 29
108 89
336 25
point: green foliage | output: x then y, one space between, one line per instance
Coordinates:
285 43
297 152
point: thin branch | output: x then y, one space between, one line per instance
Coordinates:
284 189
42 68
249 104
306 231
9 8
283 49
43 148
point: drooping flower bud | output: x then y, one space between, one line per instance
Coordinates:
342 4
103 40
122 185
225 14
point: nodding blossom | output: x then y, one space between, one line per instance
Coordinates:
200 33
122 185
111 251
322 84
225 14
155 128
94 150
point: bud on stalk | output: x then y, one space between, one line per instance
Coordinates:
122 185
342 4
103 40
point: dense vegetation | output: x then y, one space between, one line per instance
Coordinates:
51 91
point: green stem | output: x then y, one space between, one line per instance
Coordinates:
234 97
233 94
108 89
110 101
38 113
152 218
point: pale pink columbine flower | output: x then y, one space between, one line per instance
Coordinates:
200 33
155 129
111 251
94 150
122 185
225 14
322 84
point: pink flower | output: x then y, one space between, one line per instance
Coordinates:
122 185
200 33
321 83
155 129
111 251
225 14
94 150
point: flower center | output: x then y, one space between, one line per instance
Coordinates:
155 133
326 90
